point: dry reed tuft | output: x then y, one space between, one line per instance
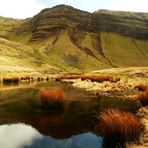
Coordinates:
143 97
39 79
100 79
47 78
141 87
52 98
14 80
68 76
119 127
26 78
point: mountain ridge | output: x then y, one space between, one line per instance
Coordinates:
108 21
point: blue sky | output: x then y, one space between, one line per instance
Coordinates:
28 8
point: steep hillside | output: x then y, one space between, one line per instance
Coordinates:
7 24
69 39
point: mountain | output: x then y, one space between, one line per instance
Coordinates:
63 38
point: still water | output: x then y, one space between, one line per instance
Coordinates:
24 124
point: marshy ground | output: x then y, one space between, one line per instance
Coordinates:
83 97
126 88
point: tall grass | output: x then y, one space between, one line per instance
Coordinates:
119 127
52 98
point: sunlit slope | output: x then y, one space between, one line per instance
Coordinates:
90 52
7 24
60 52
19 58
125 51
66 55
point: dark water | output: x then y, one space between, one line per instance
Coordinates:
72 127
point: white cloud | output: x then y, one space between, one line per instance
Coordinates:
20 8
17 135
21 135
131 5
28 8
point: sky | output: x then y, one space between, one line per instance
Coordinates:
29 8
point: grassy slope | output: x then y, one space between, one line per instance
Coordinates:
89 41
6 24
125 51
121 51
23 55
17 58
65 55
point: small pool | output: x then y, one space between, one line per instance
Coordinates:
72 127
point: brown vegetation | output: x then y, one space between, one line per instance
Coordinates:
143 97
141 87
52 98
14 80
26 78
119 127
68 76
40 79
100 79
47 78
91 77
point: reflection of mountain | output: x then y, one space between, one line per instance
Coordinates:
24 136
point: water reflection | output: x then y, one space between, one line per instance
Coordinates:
25 136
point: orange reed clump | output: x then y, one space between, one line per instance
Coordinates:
68 76
100 79
52 98
119 127
143 97
91 77
141 87
14 80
